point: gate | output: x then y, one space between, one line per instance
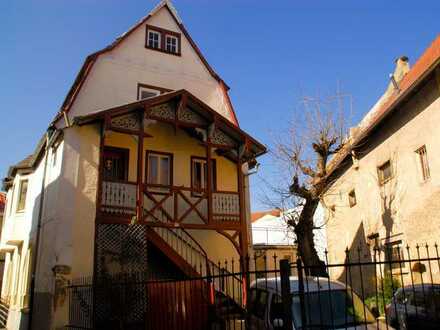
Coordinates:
178 304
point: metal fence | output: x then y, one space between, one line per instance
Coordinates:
379 288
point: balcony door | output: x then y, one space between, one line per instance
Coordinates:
115 164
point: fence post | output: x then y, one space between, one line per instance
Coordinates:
286 296
302 304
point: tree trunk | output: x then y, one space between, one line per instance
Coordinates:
304 235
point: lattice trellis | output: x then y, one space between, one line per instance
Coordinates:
163 111
219 137
121 265
121 249
188 115
128 121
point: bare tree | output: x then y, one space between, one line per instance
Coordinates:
315 135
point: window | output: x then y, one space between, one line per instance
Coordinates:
159 168
153 39
199 174
171 44
11 202
384 172
394 255
163 40
116 164
276 308
146 93
22 192
423 161
352 198
258 302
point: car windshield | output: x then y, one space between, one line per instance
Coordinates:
331 309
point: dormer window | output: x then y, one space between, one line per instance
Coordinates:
154 39
171 44
163 40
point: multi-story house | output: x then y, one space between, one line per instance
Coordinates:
143 169
385 192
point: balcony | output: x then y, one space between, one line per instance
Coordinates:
169 204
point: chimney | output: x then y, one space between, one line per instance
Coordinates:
402 68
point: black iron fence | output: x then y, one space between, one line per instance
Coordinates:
383 288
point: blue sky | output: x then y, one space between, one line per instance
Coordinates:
269 52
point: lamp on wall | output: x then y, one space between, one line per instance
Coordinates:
252 165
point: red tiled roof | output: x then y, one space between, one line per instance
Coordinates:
2 202
258 215
429 59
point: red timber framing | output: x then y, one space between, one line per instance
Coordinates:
170 206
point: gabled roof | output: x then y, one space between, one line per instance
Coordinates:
28 163
425 65
91 59
255 147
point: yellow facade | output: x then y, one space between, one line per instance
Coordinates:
182 146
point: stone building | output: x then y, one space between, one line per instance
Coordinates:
385 190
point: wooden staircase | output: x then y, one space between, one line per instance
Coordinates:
191 258
4 312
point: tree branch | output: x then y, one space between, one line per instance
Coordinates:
298 190
305 169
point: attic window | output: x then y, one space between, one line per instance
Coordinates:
154 39
171 44
162 40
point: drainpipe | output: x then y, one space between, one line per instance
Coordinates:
37 239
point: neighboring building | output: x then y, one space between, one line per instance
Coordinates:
272 239
385 190
143 170
3 304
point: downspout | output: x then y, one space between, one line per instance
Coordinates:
37 239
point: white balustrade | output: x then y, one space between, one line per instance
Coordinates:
226 206
118 197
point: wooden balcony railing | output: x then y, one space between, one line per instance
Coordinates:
226 206
169 203
118 198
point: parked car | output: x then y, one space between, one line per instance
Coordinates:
328 305
415 307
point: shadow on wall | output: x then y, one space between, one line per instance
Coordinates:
360 278
66 234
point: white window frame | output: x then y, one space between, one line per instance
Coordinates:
204 171
159 180
149 90
167 37
159 35
20 185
